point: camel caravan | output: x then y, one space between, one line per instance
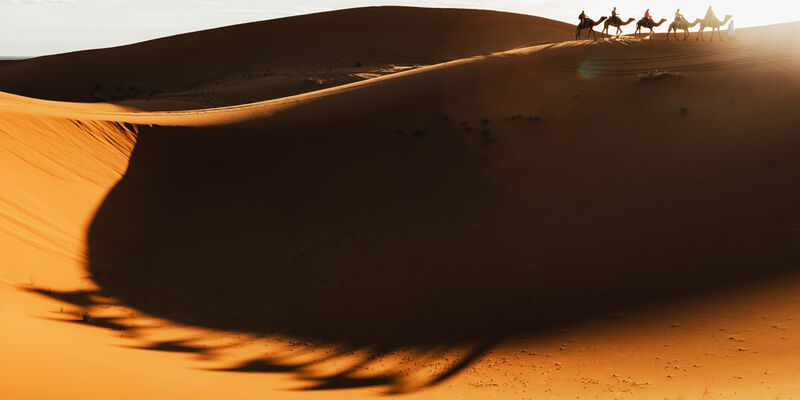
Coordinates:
647 22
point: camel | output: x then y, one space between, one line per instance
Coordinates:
714 24
682 24
617 23
589 24
648 23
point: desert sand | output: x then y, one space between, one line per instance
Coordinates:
415 202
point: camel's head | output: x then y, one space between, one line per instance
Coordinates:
662 20
728 17
602 19
630 20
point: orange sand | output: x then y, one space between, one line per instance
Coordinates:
516 216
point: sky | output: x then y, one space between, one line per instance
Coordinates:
39 27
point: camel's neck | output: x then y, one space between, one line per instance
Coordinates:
627 22
697 21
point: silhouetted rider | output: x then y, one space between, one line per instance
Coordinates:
710 14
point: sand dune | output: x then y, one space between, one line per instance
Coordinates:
608 219
275 58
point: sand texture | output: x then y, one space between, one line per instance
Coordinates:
425 203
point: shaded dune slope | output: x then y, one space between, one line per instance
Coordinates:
429 210
274 58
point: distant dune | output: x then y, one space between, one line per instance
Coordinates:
604 219
275 58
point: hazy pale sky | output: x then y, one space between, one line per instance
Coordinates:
37 27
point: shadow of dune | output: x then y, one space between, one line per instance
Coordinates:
379 240
78 298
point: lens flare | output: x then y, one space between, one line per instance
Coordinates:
591 68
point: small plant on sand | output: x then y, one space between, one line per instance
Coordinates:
684 110
513 117
419 133
657 75
85 316
247 74
486 132
358 64
534 118
467 129
484 121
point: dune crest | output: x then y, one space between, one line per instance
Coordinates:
275 58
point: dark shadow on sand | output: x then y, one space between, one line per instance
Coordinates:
378 240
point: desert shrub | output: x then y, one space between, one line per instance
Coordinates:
315 81
657 75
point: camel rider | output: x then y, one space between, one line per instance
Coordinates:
678 15
647 16
614 14
582 16
710 14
